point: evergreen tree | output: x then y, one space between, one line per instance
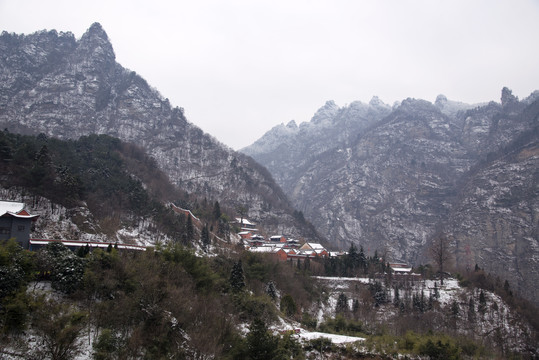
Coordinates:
430 303
471 310
342 304
216 211
355 306
351 260
507 288
396 298
189 229
378 293
271 291
261 344
237 282
288 305
454 309
205 237
482 307
402 307
362 259
307 264
436 291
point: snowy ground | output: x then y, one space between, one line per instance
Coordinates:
306 335
336 339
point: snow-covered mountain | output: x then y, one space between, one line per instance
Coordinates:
54 84
389 178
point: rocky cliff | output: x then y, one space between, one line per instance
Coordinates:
389 178
54 84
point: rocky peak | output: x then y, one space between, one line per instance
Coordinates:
325 113
94 45
376 102
415 106
292 125
508 98
96 31
441 101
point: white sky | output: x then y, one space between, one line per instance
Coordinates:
240 67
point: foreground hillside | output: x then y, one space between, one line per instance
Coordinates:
54 84
169 303
391 178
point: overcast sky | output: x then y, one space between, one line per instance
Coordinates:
240 67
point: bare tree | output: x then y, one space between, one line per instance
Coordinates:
441 253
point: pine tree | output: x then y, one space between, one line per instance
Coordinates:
355 306
189 230
307 264
471 310
342 304
351 260
378 293
482 307
288 305
261 344
362 259
396 297
216 211
205 236
455 309
271 291
237 282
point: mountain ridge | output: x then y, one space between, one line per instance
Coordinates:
67 88
392 185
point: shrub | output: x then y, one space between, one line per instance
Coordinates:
288 305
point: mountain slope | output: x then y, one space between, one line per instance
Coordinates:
392 185
52 83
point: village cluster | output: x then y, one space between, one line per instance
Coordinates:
291 249
279 245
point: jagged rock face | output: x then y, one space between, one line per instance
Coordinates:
495 221
52 83
282 149
409 171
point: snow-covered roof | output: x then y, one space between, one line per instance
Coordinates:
315 246
15 209
263 249
11 207
92 244
401 269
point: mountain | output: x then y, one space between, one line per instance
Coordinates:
54 84
391 178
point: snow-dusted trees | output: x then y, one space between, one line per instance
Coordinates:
237 281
